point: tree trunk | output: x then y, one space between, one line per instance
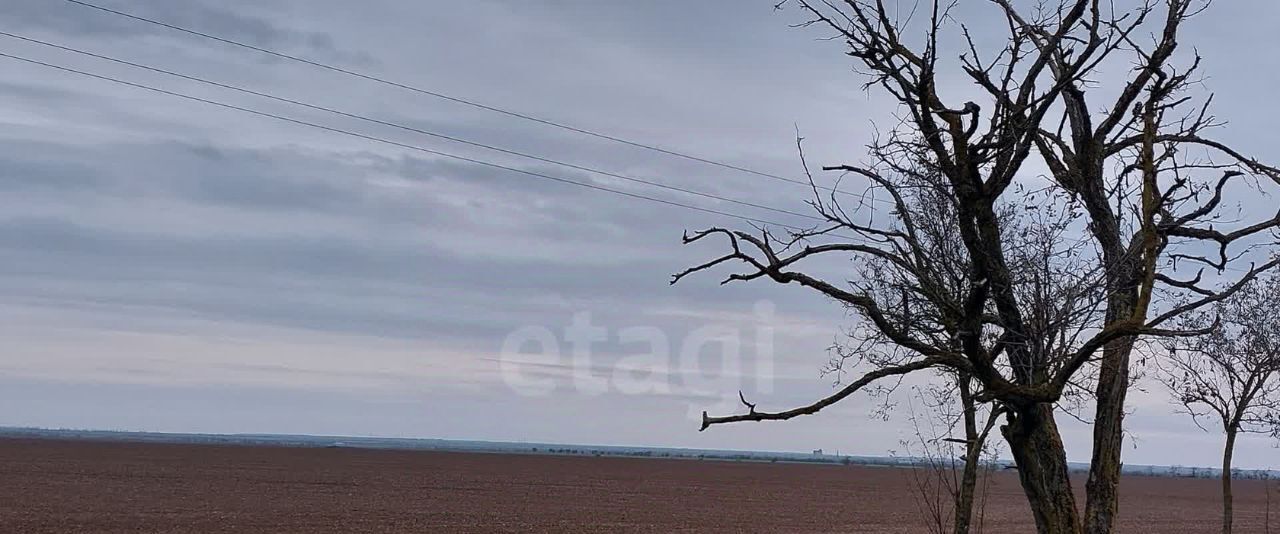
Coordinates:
1102 497
1266 523
1037 448
1226 481
1102 489
964 498
972 457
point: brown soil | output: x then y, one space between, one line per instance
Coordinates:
78 486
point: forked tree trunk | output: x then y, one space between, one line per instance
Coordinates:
1226 481
1037 448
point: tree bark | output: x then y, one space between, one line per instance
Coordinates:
1102 488
1226 481
964 498
1041 457
972 458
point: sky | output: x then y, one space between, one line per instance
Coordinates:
168 265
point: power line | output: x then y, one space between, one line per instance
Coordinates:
442 96
404 145
413 129
454 99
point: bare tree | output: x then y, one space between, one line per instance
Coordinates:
953 455
953 464
1052 274
1233 372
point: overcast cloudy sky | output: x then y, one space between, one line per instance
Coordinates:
168 265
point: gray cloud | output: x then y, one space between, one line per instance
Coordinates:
214 18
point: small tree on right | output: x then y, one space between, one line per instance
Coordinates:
1232 374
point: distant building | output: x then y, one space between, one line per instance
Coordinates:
817 452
